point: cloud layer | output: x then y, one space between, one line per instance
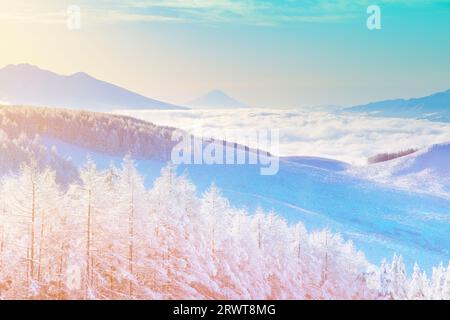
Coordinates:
346 137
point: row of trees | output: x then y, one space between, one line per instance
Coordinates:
105 133
383 157
107 237
18 150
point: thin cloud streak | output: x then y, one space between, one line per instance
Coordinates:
263 13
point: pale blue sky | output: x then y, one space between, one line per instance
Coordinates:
265 53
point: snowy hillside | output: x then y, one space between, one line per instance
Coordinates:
378 219
108 237
28 85
109 134
24 131
381 220
426 171
328 164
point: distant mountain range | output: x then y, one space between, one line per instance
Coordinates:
216 99
434 107
25 84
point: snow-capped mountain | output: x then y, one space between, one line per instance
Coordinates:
425 171
216 99
25 84
434 107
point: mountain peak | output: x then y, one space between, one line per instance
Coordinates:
216 99
217 92
81 75
22 67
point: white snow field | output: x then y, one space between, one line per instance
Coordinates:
427 171
380 219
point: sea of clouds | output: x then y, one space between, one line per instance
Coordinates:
347 137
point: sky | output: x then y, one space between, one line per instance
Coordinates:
277 53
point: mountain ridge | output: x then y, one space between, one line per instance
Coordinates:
435 107
26 84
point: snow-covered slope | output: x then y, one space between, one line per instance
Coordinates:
102 132
28 85
316 162
426 171
166 242
379 219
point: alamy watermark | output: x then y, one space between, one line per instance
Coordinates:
73 21
374 19
229 147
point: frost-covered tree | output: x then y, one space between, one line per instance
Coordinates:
31 205
108 237
418 287
399 280
438 282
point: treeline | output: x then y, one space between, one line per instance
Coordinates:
110 134
18 150
108 237
383 157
